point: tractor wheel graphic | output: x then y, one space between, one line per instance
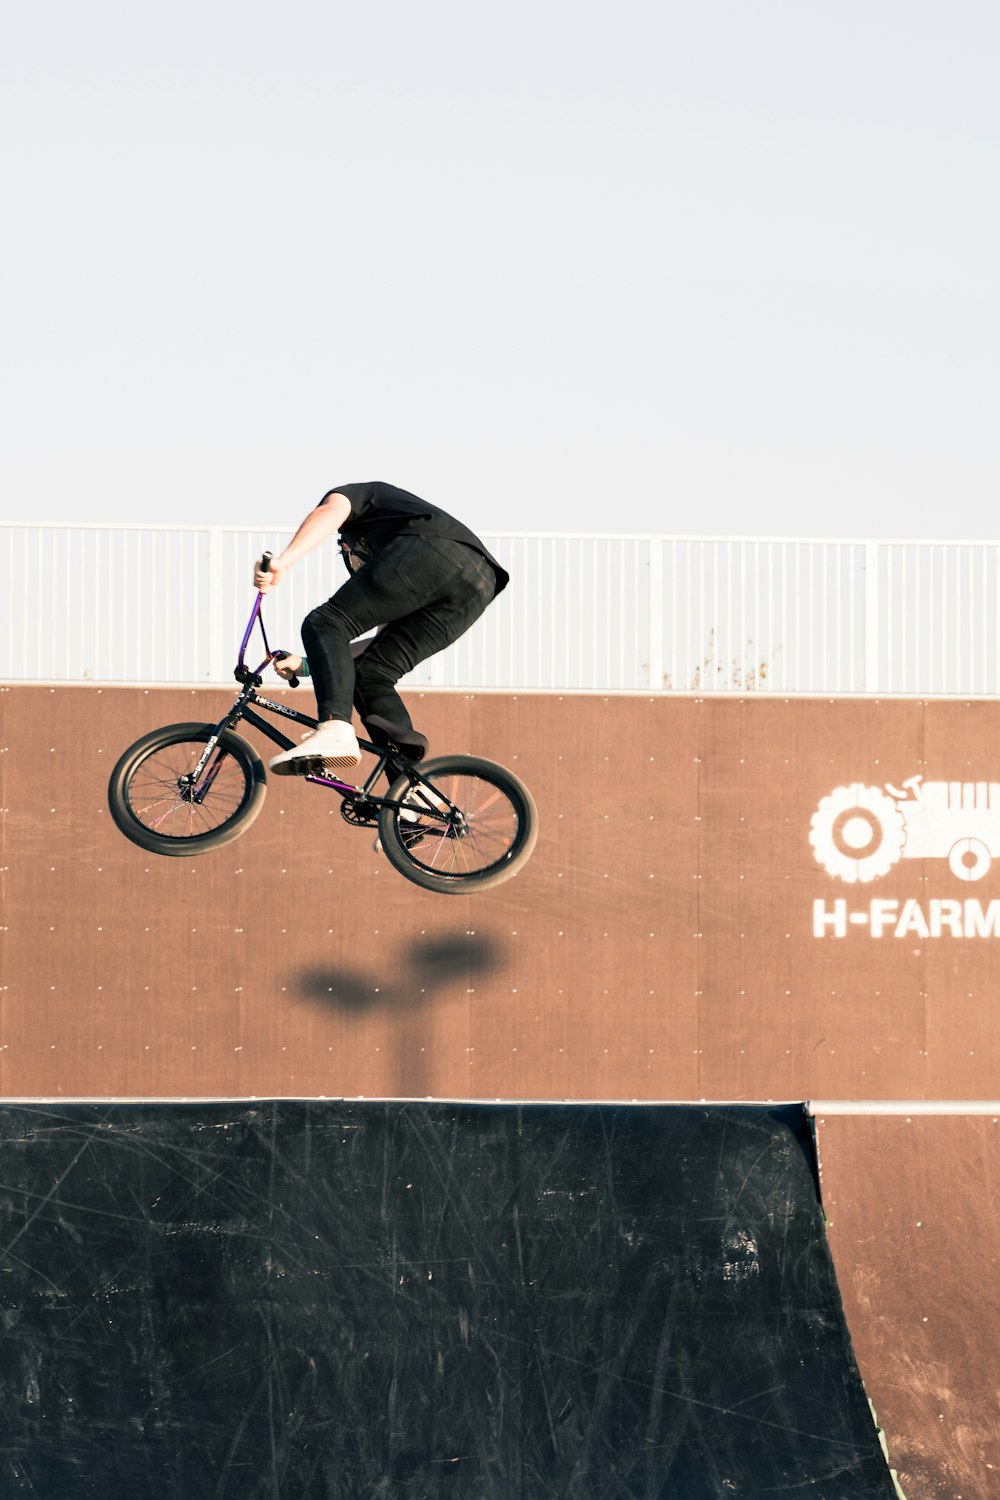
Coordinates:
857 833
969 859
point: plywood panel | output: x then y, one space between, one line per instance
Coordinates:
661 944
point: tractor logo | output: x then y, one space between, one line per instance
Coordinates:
859 832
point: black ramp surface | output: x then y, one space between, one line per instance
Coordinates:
324 1299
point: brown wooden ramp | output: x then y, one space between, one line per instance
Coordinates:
913 1201
675 936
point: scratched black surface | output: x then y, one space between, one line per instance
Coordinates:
324 1299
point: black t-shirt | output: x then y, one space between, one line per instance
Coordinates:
380 512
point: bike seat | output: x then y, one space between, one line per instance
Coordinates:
389 736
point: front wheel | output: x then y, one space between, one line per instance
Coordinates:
158 803
461 824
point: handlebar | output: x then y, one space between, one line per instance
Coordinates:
255 618
265 567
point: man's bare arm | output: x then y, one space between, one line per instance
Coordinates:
319 525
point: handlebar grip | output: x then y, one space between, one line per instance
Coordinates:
293 681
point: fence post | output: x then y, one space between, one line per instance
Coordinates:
871 683
656 545
214 672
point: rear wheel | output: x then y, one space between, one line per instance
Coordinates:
463 824
156 802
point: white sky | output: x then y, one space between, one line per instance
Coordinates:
725 267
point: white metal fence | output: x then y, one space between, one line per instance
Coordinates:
641 613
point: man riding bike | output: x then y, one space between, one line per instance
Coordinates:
417 573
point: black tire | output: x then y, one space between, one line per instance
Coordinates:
147 799
493 842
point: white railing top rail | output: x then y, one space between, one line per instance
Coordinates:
790 539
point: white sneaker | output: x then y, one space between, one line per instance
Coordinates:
332 747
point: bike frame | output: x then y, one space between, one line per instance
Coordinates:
386 760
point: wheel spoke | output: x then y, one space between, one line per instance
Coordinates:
488 830
158 800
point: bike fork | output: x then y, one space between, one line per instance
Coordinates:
192 778
232 718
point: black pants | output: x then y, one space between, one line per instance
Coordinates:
426 591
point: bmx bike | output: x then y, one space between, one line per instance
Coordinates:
451 825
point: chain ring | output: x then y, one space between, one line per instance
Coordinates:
359 814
